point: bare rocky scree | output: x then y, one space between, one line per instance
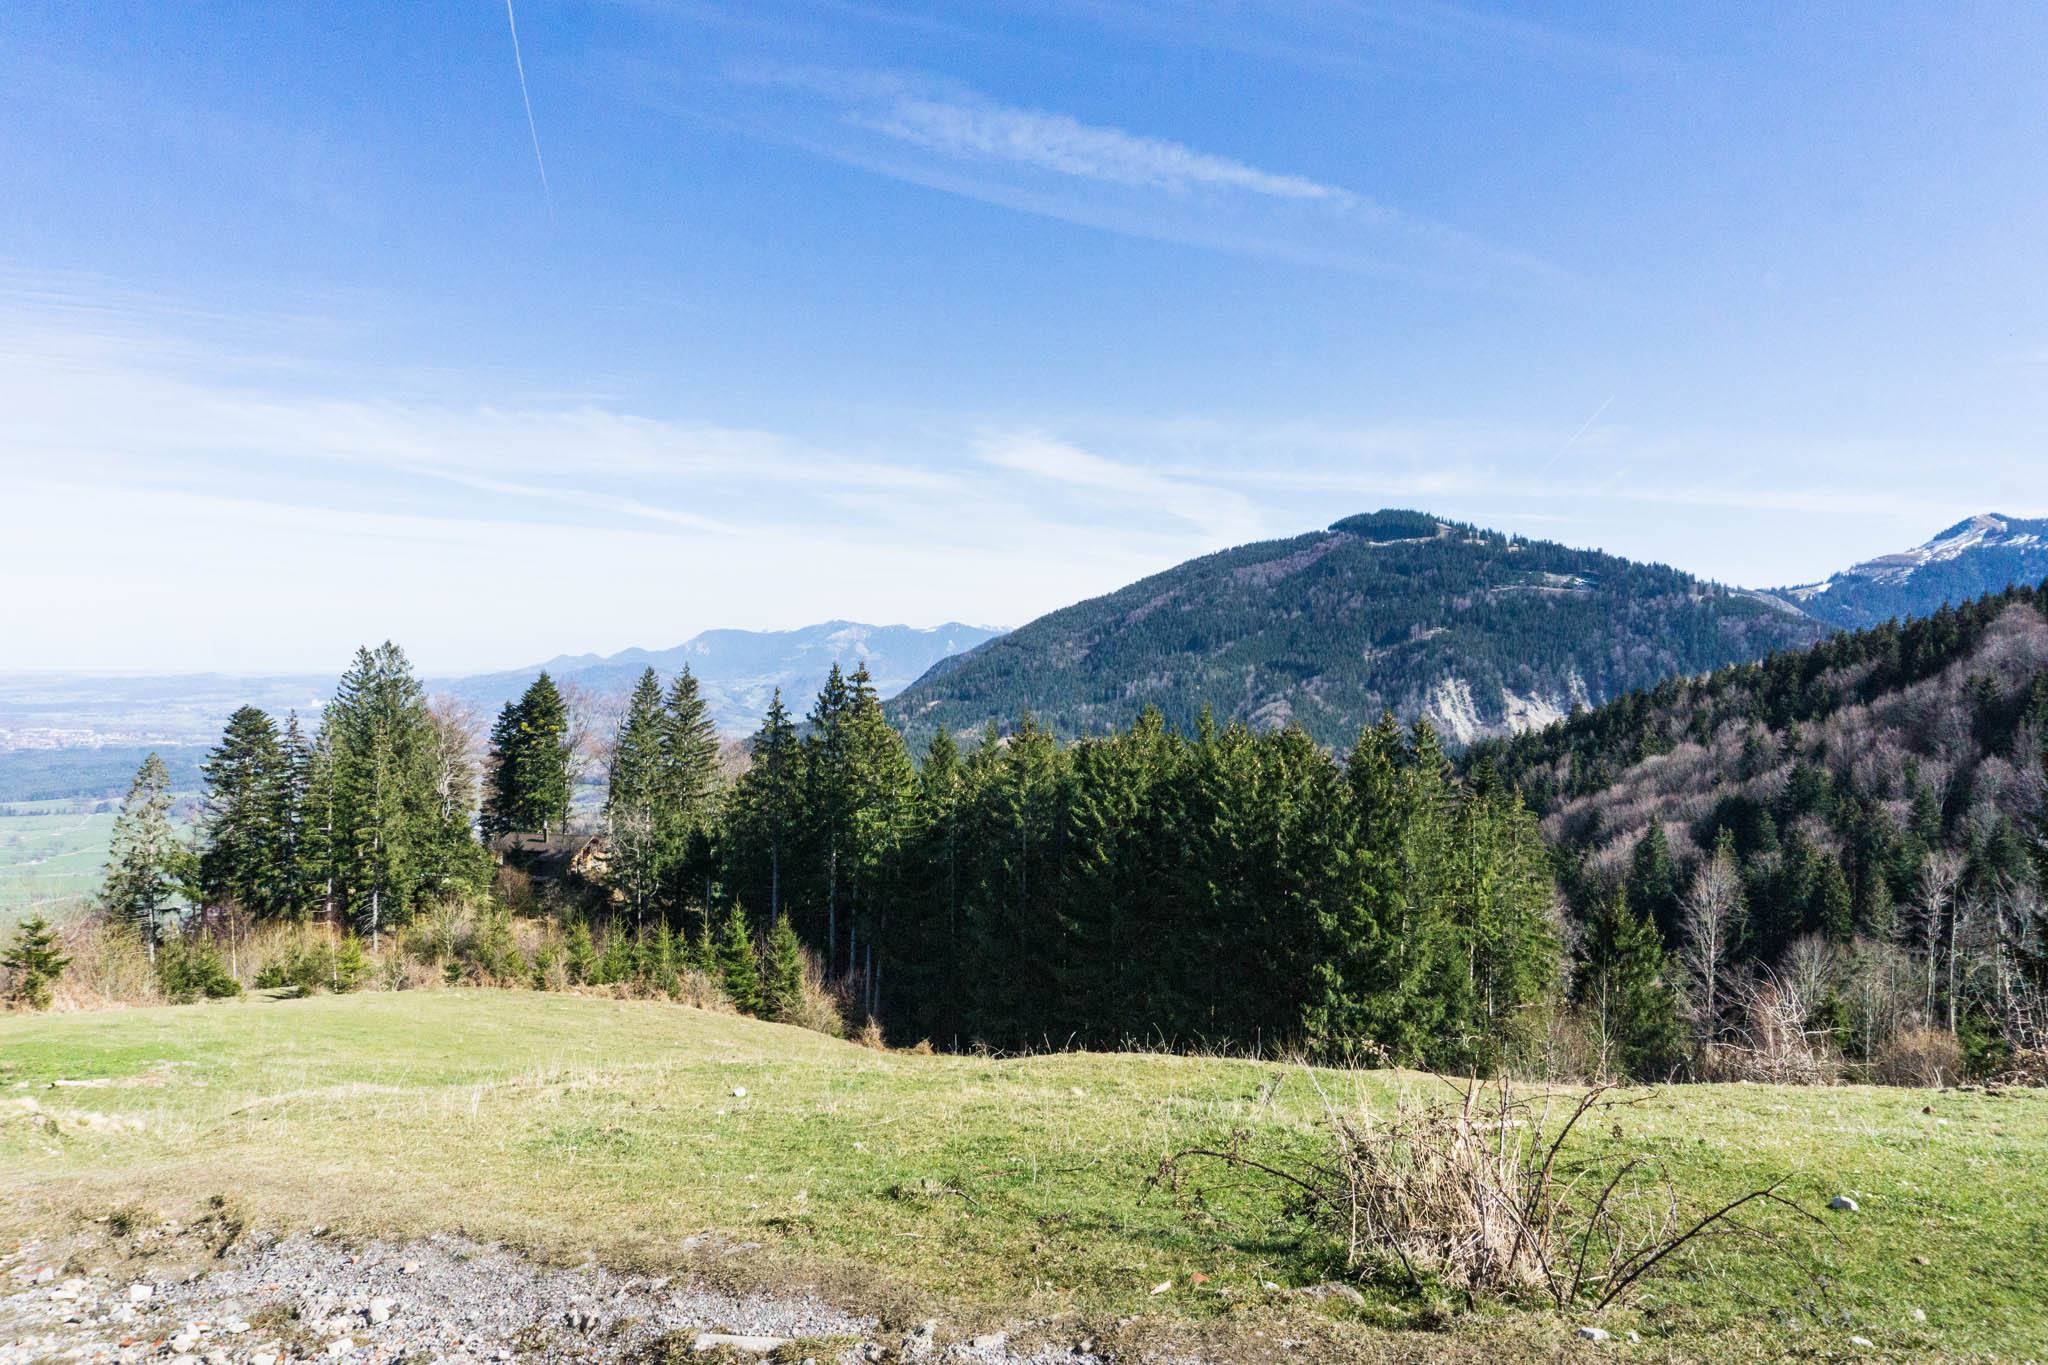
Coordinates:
302 1298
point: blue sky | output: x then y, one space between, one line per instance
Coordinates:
929 311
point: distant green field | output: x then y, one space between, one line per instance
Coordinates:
982 1189
51 853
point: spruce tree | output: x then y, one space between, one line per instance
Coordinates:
536 768
501 778
1653 882
635 796
739 973
582 955
398 835
689 753
146 867
246 861
1624 984
782 974
767 811
34 962
294 819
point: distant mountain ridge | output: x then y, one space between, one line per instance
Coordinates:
1982 554
739 670
1483 633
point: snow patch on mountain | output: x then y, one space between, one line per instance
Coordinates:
1983 532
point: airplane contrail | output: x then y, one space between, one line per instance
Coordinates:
1574 439
532 130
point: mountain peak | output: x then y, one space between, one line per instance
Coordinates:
1982 554
1390 610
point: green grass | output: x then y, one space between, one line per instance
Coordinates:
574 1125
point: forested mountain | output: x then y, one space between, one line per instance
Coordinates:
1985 554
1864 819
1482 633
739 670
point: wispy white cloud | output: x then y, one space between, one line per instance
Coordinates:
942 135
982 130
1224 515
160 499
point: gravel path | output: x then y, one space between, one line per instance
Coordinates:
303 1298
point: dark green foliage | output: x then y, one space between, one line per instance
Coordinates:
34 963
392 795
528 786
250 816
765 817
634 799
582 960
739 974
1653 882
661 798
1328 629
1625 986
782 973
189 968
147 868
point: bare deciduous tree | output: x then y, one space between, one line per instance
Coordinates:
1938 881
1709 922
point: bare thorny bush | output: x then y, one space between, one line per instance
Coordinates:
1480 1196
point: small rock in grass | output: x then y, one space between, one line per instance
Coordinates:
753 1346
409 1268
1921 1260
1592 1334
1919 1315
1161 1287
1862 1343
989 1341
739 1092
1842 1203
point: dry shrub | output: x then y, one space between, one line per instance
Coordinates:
822 1007
700 989
1773 1044
109 966
1479 1196
1918 1056
2029 1066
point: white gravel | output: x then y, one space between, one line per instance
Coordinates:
304 1298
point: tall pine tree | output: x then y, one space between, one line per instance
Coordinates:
146 867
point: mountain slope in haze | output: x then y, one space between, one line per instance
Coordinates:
1984 554
739 670
1483 633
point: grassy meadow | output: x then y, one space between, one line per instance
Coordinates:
997 1191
